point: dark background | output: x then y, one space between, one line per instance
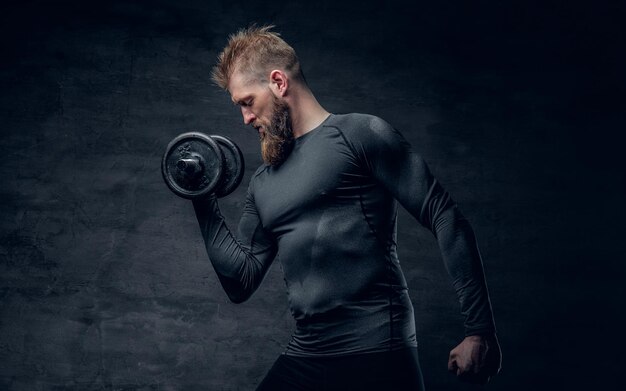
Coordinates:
104 282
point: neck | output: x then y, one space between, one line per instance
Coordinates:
306 113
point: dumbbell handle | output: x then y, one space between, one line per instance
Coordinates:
190 166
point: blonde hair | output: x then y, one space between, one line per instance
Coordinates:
255 51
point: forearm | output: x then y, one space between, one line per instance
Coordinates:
462 258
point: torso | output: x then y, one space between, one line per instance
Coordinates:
335 228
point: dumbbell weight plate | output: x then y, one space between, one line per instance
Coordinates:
233 168
192 165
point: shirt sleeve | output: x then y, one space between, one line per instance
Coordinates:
240 262
403 172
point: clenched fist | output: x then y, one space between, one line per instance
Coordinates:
476 359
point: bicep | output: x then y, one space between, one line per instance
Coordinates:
240 261
253 236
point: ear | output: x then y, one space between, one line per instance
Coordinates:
279 83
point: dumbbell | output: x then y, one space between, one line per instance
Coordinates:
195 165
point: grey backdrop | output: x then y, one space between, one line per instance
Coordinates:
104 281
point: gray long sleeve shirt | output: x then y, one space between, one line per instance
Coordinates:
330 213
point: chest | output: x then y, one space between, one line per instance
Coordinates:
319 173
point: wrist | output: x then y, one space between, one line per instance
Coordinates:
481 337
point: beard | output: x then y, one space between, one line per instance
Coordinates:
277 140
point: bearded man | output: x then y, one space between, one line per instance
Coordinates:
326 201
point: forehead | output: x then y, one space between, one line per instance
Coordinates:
242 86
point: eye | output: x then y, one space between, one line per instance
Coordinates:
246 102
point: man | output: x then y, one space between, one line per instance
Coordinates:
325 199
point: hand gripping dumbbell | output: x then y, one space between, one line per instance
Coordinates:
195 165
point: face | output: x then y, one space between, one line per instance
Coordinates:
268 114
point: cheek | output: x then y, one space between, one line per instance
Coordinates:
265 120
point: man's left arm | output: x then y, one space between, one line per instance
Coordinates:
392 160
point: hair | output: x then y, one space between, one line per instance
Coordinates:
278 139
255 51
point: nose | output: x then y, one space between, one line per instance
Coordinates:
248 115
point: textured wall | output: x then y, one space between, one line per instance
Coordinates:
104 283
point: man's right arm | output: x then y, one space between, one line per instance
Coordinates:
240 264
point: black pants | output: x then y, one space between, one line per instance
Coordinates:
397 370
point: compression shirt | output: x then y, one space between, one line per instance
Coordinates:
329 212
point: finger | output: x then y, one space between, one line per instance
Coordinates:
452 365
477 367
